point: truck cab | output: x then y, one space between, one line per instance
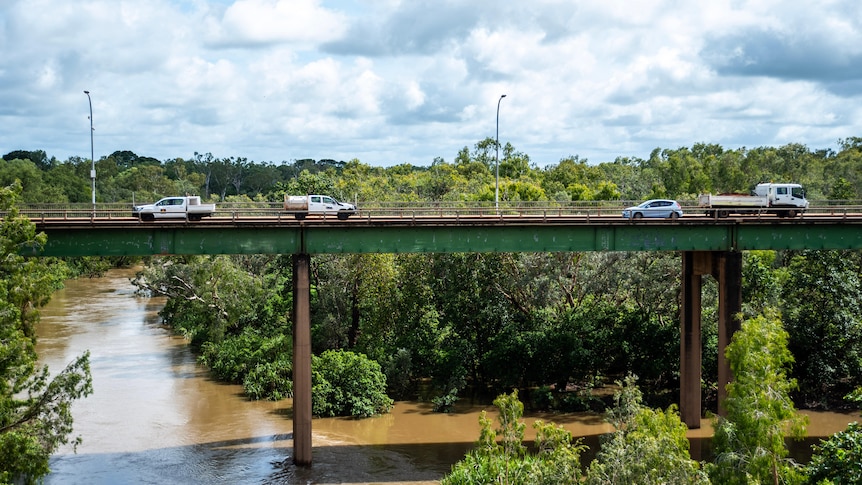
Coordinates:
782 195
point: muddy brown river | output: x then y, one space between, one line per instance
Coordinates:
156 417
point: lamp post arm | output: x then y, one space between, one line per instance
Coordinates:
92 155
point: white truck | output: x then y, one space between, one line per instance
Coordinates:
189 208
785 200
303 205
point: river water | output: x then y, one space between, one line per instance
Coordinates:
156 417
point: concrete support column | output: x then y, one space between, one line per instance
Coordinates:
301 360
729 276
726 267
690 341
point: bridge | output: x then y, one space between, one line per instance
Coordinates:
709 246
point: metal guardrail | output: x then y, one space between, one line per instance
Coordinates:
410 210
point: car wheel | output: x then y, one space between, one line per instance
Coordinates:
674 215
638 215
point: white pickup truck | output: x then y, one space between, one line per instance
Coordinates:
303 205
786 200
189 208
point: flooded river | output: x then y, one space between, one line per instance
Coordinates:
155 416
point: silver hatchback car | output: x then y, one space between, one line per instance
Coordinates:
659 208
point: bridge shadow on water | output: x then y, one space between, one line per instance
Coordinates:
261 459
269 460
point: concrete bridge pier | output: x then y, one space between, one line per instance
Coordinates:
301 360
726 268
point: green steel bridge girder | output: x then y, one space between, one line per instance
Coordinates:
146 240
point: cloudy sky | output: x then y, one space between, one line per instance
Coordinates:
405 81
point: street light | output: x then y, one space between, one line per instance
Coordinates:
92 157
497 159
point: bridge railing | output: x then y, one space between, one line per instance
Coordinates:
488 208
412 209
376 209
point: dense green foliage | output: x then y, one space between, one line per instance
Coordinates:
35 409
648 446
234 310
345 383
838 460
556 462
749 441
823 315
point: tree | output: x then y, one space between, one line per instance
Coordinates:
842 191
572 175
68 185
647 447
35 409
514 164
749 442
353 309
761 282
307 183
29 176
144 183
823 316
347 384
473 312
681 172
557 461
38 157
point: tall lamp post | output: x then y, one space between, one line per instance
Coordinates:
497 159
92 156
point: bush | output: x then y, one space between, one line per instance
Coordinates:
234 358
270 380
345 383
546 399
446 402
838 459
557 460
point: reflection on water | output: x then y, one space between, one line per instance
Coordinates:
156 417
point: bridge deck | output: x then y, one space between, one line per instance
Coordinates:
271 235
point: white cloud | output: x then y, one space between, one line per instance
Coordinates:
274 21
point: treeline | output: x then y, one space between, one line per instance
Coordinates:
678 173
